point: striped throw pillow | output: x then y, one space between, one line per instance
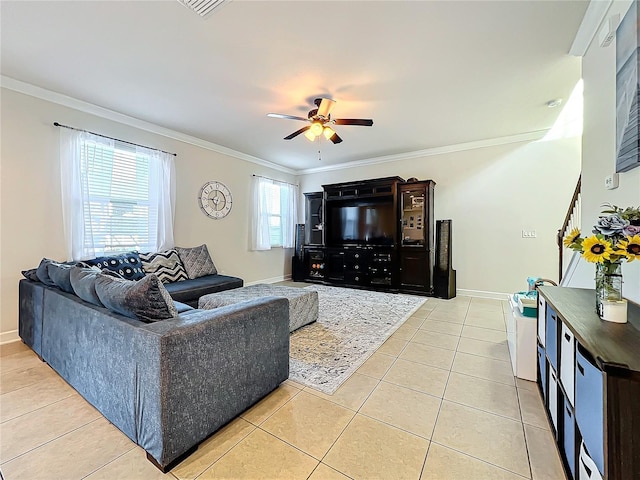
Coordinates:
166 265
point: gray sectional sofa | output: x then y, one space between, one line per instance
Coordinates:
169 384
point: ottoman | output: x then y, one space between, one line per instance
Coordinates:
303 304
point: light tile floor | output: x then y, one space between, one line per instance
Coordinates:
437 401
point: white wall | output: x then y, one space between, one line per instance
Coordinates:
491 194
598 154
31 215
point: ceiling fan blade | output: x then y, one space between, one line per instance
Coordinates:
335 138
353 121
297 132
289 117
325 107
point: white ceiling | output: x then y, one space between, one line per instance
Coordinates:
430 73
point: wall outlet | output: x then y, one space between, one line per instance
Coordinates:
529 234
611 181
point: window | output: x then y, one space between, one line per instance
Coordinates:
275 212
117 197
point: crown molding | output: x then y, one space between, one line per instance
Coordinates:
460 147
588 29
66 101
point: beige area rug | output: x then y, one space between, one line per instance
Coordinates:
351 325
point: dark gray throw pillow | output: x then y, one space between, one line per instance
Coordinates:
43 274
83 282
59 274
145 300
31 274
197 261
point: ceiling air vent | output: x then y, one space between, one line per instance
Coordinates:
204 8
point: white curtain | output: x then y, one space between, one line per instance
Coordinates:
289 208
273 199
79 151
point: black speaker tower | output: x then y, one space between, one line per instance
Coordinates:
444 277
297 262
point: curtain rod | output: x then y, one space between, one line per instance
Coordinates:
112 138
274 180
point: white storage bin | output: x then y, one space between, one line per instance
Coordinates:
542 319
521 339
587 469
567 363
553 399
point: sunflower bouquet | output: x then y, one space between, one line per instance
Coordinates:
616 237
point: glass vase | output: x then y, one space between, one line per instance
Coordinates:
608 284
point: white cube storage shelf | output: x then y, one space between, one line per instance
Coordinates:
589 376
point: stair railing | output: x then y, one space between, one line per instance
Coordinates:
571 221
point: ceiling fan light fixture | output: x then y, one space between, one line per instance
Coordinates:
316 128
328 132
310 135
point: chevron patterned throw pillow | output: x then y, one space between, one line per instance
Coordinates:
166 265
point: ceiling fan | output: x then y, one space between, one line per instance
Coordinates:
321 121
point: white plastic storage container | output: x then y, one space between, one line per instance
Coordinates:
521 339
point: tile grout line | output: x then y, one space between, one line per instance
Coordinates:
111 461
444 391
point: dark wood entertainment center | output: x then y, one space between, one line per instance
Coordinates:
373 234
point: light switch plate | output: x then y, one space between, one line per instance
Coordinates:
529 234
611 181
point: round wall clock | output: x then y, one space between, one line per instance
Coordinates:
215 200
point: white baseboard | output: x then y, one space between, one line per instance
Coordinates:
280 278
8 337
482 294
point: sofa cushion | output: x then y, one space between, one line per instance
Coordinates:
128 265
197 261
83 282
189 291
166 265
145 299
59 274
183 307
43 274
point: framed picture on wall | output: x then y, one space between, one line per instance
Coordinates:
627 91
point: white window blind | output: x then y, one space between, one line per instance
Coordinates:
116 197
117 212
274 215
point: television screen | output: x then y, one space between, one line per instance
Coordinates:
364 224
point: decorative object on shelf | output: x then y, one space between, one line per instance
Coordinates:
215 200
616 238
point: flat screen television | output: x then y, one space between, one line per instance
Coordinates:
362 224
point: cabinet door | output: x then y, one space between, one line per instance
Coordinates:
589 409
414 270
412 215
314 225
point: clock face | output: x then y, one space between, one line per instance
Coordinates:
215 200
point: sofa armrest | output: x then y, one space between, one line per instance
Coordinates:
214 364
